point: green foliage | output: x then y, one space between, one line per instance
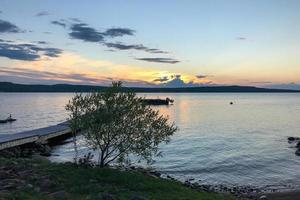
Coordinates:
118 124
80 183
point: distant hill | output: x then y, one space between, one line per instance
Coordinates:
12 87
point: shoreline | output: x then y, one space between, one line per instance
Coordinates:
38 178
239 191
287 195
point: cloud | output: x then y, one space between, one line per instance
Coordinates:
121 46
287 86
42 42
7 27
176 81
201 76
241 38
261 82
22 75
26 52
43 13
74 19
159 60
59 23
162 79
117 32
86 33
83 32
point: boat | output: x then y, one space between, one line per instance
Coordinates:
166 101
9 119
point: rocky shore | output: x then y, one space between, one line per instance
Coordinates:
37 178
9 176
295 141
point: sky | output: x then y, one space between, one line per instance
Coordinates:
151 43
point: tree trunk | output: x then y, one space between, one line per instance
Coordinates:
102 160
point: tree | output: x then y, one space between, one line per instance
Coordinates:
74 116
117 124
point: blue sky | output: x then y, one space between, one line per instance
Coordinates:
150 43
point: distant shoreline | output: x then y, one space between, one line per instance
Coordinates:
64 88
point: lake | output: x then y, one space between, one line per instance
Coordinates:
218 143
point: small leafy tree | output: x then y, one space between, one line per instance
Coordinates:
74 113
117 124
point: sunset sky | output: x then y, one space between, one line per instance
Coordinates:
151 43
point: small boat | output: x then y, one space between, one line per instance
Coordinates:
166 101
9 119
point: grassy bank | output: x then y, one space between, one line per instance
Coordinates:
40 179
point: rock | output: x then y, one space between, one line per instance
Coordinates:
107 196
263 197
59 194
46 184
297 152
291 139
37 189
93 181
298 145
137 198
155 173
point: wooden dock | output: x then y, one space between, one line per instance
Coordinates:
38 135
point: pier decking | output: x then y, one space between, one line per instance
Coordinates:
37 135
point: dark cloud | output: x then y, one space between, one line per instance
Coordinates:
32 74
27 52
59 23
83 32
140 47
42 42
117 32
86 33
159 60
21 75
43 13
7 27
162 79
201 76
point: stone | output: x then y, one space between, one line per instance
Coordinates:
93 181
107 196
298 145
297 152
137 198
292 139
263 197
46 184
58 194
155 173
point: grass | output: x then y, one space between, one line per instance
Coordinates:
95 183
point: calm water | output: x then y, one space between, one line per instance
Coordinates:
218 143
